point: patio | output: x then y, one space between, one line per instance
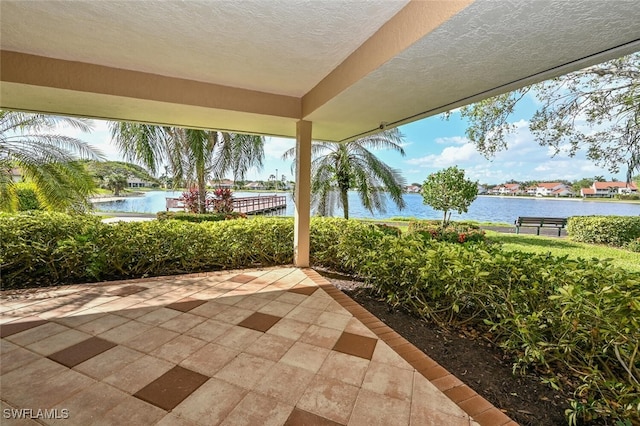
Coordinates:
267 346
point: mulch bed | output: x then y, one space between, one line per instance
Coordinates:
471 358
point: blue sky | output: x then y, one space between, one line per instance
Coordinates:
432 144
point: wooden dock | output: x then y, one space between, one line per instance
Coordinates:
246 205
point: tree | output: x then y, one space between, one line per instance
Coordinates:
192 156
605 96
116 182
49 161
338 167
448 190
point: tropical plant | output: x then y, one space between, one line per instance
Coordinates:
191 156
448 190
596 109
116 182
49 161
338 167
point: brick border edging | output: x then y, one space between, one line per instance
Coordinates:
478 408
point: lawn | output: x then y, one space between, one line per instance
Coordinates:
565 247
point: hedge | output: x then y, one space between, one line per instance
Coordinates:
199 217
611 230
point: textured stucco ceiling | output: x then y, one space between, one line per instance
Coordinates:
310 51
275 46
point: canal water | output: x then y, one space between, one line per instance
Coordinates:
484 208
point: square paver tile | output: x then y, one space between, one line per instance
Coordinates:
238 337
101 324
373 409
131 411
302 314
288 328
320 336
80 352
291 298
329 398
277 308
385 355
209 359
151 339
170 389
303 355
183 322
233 315
427 399
15 359
284 383
138 374
211 403
187 304
347 368
354 326
108 362
256 409
300 417
389 380
245 370
58 342
209 330
252 302
158 316
259 321
125 332
354 344
334 320
178 349
270 346
209 309
35 334
91 404
15 327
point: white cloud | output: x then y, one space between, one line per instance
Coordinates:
453 140
275 147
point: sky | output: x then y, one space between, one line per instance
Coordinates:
430 145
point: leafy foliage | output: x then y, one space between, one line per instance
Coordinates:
48 161
101 169
44 248
200 217
116 182
448 190
611 230
27 197
338 167
605 96
193 156
220 201
454 232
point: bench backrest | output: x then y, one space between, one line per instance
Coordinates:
542 221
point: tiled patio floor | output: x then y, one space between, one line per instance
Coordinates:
277 346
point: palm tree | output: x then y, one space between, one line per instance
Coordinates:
338 167
190 155
49 161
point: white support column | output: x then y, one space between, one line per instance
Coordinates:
303 194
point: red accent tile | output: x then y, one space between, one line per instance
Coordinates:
460 393
353 344
80 352
187 304
434 372
424 363
127 290
300 417
17 327
242 278
259 321
305 290
170 389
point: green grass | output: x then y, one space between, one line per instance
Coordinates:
564 247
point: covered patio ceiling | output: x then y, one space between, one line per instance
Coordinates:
349 67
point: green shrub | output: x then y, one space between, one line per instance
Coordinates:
27 198
454 232
199 217
41 249
634 246
610 230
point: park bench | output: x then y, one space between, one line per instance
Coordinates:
541 222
